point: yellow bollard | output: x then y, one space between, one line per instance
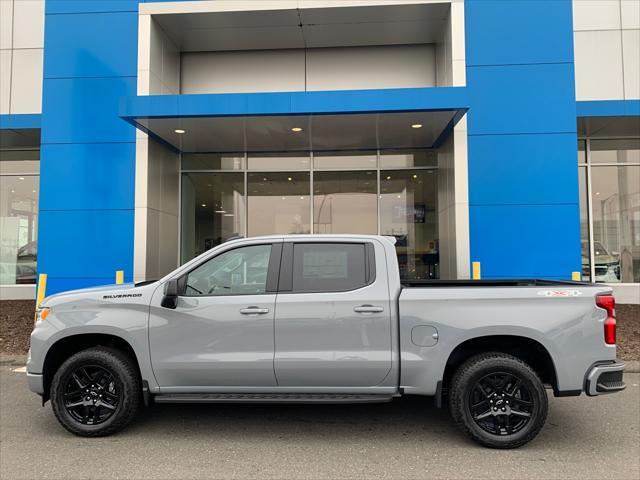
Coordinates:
476 270
119 277
42 288
575 276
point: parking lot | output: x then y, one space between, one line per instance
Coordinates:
584 438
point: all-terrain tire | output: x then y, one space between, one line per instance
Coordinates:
484 366
126 382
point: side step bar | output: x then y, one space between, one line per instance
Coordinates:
269 398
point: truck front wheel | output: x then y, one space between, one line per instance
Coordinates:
498 400
96 392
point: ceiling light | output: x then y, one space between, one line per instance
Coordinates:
180 131
204 204
296 129
21 178
301 198
415 176
289 178
399 196
284 198
220 211
416 125
13 191
597 193
264 179
389 177
228 215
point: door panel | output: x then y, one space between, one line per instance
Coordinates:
333 339
221 332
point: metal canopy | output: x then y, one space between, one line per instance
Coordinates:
420 129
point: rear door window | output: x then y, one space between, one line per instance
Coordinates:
330 267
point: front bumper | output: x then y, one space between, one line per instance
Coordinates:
605 378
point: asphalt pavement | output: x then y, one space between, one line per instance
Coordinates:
584 438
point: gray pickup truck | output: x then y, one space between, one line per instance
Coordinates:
323 319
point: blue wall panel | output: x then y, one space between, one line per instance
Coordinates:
508 32
94 175
523 189
86 243
86 110
86 221
523 169
85 53
521 99
525 241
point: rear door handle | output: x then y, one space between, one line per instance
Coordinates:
254 311
368 309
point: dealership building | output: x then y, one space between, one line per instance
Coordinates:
136 135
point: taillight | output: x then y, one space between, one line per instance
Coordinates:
608 302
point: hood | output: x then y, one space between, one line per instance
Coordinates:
81 292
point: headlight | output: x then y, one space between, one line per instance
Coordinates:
42 313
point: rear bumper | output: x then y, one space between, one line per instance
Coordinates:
36 385
605 378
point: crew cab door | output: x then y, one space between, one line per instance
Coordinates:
333 320
221 332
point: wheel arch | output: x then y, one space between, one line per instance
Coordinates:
526 349
67 346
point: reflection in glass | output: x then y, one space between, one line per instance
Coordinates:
408 158
212 161
279 203
408 211
584 225
615 199
18 228
615 151
279 161
345 202
344 160
213 210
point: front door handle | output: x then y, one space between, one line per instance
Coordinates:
368 309
254 311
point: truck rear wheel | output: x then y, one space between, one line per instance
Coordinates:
498 400
96 392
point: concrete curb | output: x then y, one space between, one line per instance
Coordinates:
631 366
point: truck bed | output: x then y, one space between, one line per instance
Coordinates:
532 282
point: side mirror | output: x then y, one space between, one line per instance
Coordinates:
170 299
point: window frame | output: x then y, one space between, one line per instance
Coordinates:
285 282
273 270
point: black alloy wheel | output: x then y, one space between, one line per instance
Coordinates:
91 395
96 392
500 403
498 400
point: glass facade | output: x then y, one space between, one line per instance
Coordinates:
610 209
323 192
19 187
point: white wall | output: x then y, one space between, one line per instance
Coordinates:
21 48
393 66
607 49
453 205
158 60
156 210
